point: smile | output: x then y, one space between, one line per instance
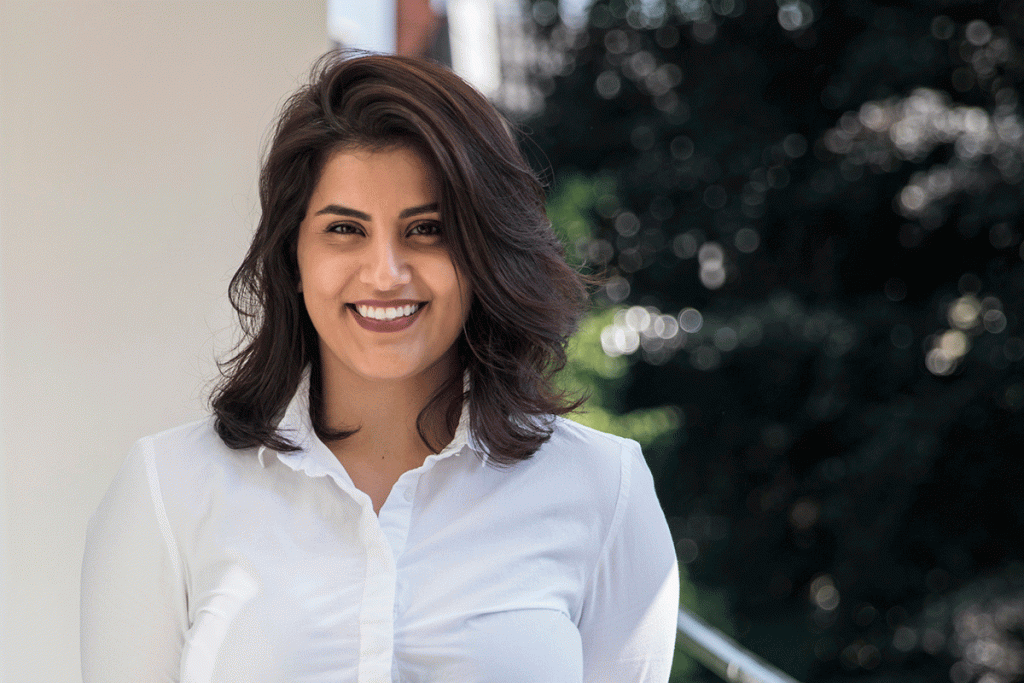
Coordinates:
375 313
386 318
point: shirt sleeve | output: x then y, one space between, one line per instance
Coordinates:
133 598
628 620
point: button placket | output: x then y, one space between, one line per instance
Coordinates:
396 513
376 619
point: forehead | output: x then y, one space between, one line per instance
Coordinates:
393 175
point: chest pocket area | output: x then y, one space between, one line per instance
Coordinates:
514 646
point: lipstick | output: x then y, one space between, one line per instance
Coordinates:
376 312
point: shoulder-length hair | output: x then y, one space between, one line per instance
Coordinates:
526 300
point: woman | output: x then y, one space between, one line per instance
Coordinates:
384 491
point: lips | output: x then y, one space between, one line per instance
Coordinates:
380 316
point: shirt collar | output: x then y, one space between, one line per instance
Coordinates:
296 426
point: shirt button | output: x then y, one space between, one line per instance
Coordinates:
408 495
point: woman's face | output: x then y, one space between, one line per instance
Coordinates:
378 283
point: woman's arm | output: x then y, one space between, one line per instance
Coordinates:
134 612
628 622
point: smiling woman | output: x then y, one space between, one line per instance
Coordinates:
378 283
386 491
490 210
386 301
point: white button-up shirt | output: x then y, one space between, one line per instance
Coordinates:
205 564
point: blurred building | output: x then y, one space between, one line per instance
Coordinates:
494 44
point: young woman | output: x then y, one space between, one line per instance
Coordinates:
385 491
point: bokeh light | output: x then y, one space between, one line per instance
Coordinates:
969 317
884 132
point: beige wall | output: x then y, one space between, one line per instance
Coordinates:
130 135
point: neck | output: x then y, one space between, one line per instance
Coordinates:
385 412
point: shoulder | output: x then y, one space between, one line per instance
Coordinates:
181 463
593 464
586 447
191 445
577 438
198 437
163 476
616 481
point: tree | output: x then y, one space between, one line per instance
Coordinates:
810 219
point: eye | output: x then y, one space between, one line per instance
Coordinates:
344 229
426 229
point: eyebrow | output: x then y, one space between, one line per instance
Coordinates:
338 210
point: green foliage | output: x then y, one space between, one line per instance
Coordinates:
570 209
589 369
847 395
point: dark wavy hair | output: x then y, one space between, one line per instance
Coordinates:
527 300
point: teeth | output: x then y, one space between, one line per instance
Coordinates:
386 313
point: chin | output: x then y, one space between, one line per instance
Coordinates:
388 372
388 375
392 366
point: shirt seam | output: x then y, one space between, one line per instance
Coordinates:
162 520
622 498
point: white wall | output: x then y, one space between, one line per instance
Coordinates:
130 135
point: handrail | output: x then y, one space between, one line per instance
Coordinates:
720 653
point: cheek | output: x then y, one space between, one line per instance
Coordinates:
321 277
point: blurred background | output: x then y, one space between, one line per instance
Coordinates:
808 215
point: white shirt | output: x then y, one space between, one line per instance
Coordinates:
205 564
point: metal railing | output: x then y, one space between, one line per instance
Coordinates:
723 656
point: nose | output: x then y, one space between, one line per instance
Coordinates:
386 266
